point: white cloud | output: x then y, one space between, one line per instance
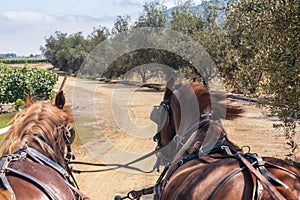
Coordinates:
28 17
128 3
23 32
169 4
173 3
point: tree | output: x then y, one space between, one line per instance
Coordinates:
68 52
154 15
265 37
98 35
203 23
121 24
185 19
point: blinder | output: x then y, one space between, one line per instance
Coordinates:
160 115
69 135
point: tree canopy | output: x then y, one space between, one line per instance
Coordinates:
255 45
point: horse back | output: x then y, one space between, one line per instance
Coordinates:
26 189
199 180
291 180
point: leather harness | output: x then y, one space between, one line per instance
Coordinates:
249 161
30 154
227 150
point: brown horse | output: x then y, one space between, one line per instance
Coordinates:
36 152
203 163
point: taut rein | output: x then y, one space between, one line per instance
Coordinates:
118 166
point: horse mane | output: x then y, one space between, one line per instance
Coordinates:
40 125
203 94
187 92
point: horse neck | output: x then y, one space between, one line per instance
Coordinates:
48 150
195 101
34 142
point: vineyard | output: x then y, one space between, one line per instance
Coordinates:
24 61
14 82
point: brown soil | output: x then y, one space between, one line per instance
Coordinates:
252 128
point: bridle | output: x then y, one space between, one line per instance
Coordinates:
69 137
161 115
222 148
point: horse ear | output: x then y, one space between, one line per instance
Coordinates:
28 100
169 86
60 100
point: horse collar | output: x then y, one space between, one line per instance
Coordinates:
36 156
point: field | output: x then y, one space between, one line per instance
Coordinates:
5 118
11 61
28 62
100 120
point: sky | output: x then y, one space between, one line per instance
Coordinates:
24 24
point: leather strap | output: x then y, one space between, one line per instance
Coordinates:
37 156
220 185
271 189
41 185
4 164
270 177
282 168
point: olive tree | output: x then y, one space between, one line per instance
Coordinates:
265 36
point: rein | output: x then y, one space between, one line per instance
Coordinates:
263 180
251 162
118 166
136 194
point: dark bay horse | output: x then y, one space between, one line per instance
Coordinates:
201 166
36 153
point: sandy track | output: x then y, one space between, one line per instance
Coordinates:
104 138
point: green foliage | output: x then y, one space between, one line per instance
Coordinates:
185 19
121 24
11 61
154 15
14 82
142 57
68 52
265 38
20 103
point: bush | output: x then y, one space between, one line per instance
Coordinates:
14 82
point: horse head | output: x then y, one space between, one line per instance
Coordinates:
43 126
185 107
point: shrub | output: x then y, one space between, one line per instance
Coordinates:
14 82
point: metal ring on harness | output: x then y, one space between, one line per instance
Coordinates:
130 195
247 147
195 145
177 139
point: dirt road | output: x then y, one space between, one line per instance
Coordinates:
114 126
